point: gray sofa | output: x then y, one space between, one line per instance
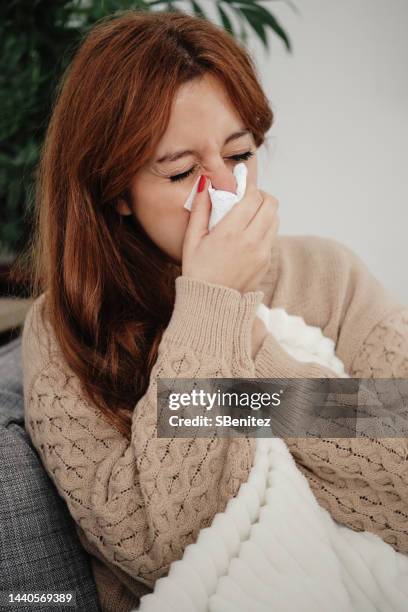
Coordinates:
39 549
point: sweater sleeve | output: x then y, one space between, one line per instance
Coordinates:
140 502
362 482
272 361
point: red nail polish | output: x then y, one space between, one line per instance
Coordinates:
201 183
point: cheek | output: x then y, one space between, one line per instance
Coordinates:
169 211
160 202
162 215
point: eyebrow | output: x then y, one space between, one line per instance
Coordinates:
176 155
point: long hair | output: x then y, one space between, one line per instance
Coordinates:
109 289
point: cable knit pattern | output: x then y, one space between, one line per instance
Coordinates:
138 504
363 482
385 352
141 503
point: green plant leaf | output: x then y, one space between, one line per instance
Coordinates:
256 22
243 35
156 2
197 9
265 17
13 196
225 20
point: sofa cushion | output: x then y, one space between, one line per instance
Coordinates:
39 548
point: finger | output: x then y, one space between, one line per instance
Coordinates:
264 217
271 232
199 216
268 240
242 212
271 229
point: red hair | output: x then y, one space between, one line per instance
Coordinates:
109 289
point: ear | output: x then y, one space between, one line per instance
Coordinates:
122 207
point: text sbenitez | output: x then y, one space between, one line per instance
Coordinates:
223 420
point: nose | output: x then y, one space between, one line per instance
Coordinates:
222 178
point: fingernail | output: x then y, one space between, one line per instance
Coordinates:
201 183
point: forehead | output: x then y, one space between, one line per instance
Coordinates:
199 107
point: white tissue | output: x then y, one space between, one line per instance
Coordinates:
222 201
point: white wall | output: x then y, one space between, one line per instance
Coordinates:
338 151
338 160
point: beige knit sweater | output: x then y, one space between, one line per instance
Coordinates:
137 505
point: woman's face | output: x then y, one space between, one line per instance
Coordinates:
202 120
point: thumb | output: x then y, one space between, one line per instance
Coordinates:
200 213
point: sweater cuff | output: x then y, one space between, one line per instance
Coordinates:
214 319
272 361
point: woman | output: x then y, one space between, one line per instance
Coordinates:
130 286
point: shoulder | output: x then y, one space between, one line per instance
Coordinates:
51 388
331 287
38 344
309 268
316 253
335 270
36 327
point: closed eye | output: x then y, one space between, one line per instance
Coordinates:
183 175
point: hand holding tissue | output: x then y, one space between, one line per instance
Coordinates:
288 329
222 201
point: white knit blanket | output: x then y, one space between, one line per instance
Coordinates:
274 548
